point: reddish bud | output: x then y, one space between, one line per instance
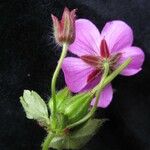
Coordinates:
64 30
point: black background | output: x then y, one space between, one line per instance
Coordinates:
28 56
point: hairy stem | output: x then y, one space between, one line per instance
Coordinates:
55 75
47 141
100 87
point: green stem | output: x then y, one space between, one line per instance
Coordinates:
100 87
47 141
90 114
55 75
105 80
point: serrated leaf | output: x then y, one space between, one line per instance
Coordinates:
78 138
34 107
60 97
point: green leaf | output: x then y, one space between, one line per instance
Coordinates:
34 107
60 97
78 138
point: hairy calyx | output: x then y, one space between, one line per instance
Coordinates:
98 61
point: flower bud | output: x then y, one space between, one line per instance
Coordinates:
64 30
78 107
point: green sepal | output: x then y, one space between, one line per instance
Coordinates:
35 107
70 100
79 137
61 96
77 107
59 122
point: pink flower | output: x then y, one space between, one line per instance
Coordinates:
113 44
64 30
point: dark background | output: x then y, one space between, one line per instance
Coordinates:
28 57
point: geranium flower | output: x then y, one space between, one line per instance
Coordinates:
113 44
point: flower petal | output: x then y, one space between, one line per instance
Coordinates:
76 73
105 97
117 34
137 56
91 84
87 38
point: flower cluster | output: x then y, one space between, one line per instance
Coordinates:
100 57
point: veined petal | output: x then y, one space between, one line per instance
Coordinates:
87 38
76 73
137 56
105 97
117 34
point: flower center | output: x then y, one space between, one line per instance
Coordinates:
98 61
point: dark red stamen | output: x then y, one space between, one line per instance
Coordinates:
104 51
93 75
